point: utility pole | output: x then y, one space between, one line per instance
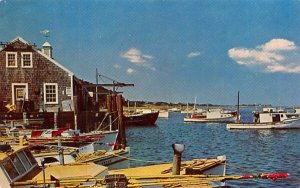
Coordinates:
97 85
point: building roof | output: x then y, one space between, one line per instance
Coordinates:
18 38
46 44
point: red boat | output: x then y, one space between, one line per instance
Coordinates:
140 119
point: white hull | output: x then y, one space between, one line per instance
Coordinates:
163 114
278 125
106 143
113 160
205 120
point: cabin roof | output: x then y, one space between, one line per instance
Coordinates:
85 170
5 154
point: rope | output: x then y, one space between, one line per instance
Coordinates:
99 127
140 160
106 114
245 170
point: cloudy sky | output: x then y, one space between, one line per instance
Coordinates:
171 50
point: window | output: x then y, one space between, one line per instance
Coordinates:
11 59
24 160
30 157
50 93
10 169
26 59
20 94
15 159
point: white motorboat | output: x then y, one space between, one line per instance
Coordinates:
212 115
270 118
116 159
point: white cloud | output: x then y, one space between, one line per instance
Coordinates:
193 54
273 56
281 68
130 71
278 44
136 57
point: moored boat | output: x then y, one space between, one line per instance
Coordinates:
100 140
115 159
163 114
141 119
20 169
270 118
212 115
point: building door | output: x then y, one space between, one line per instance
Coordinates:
19 92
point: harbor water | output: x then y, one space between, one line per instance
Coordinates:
247 151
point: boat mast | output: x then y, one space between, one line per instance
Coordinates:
238 108
195 104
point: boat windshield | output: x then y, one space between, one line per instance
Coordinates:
20 167
30 157
18 164
10 169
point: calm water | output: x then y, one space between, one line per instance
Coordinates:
247 151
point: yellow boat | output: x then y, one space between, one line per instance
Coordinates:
18 168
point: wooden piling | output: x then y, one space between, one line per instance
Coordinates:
108 104
114 114
121 125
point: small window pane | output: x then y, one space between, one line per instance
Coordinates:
30 157
11 60
51 93
24 160
10 169
18 163
26 60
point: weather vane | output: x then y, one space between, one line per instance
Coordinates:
45 33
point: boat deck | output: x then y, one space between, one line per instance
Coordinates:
161 175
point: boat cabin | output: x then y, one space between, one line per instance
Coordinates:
273 115
15 164
18 168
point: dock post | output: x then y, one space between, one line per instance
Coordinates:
178 149
114 111
121 126
25 118
55 120
60 152
108 104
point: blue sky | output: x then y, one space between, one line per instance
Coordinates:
174 50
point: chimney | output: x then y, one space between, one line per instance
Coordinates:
47 49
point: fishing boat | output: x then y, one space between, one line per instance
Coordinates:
141 119
270 118
115 159
99 140
20 169
212 115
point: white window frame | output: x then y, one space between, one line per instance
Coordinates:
16 59
13 90
22 60
56 93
